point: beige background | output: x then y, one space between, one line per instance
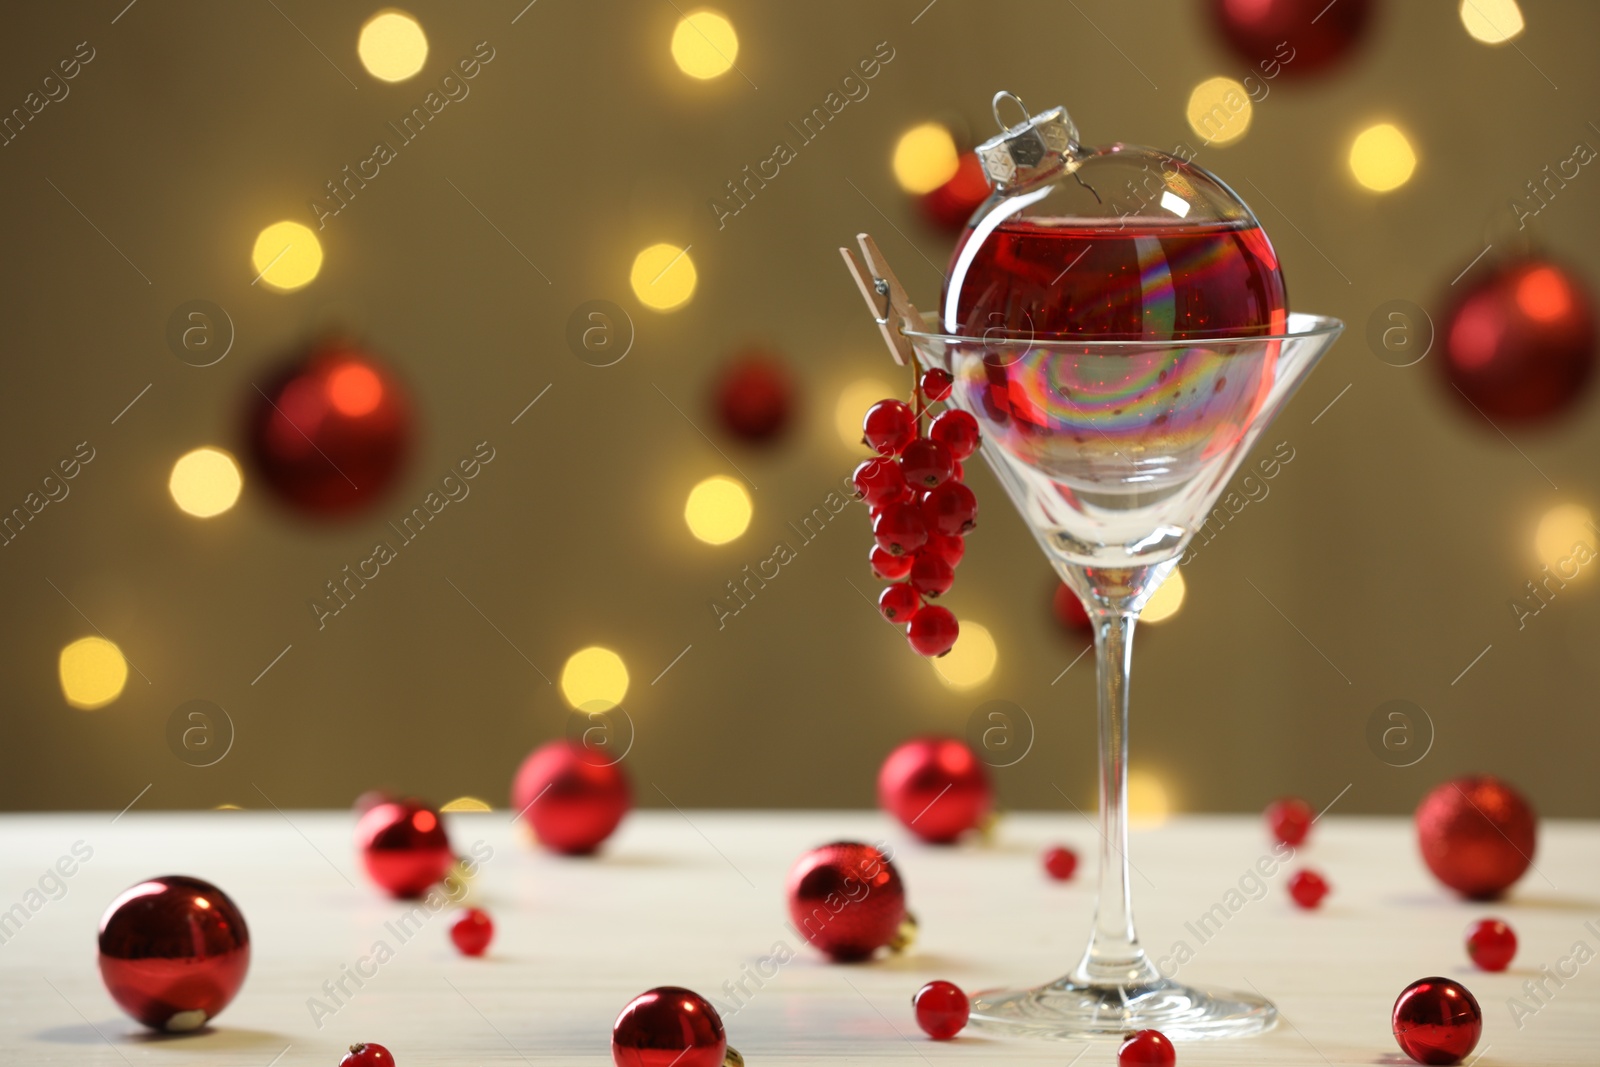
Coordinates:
1393 541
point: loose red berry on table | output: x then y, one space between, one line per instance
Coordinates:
1289 819
950 509
936 384
1060 862
900 529
1147 1048
472 931
879 481
898 603
1491 944
888 566
1308 888
949 548
1437 1020
927 463
889 426
366 1054
942 1009
957 431
931 575
933 631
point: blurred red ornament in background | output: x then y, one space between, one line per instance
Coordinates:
755 397
1290 819
670 1026
571 795
1437 1020
1492 944
404 847
1069 609
1477 835
1519 342
173 952
847 899
1291 37
952 204
936 787
329 434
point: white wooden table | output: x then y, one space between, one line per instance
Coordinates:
695 899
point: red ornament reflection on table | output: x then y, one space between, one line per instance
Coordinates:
1518 340
1307 887
942 1009
1289 819
329 434
754 396
1069 611
173 952
1146 1048
367 1054
1437 1021
571 795
847 899
472 931
1060 862
1477 835
1294 38
936 787
670 1026
404 847
952 204
1492 944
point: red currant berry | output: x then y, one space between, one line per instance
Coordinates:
1289 819
1069 609
1308 888
887 566
900 529
931 575
889 427
926 463
1060 862
898 603
950 509
879 482
366 1054
1147 1048
941 1007
949 548
933 631
472 931
957 431
936 384
1491 944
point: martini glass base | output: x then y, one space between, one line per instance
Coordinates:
1066 1010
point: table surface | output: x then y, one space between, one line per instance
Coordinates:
695 898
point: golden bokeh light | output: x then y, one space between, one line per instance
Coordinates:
1219 110
392 46
93 672
1491 21
925 158
286 256
1148 802
854 400
227 807
1561 530
467 804
718 510
1168 599
971 662
205 482
1381 158
705 44
663 277
594 679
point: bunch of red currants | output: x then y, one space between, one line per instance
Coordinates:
920 508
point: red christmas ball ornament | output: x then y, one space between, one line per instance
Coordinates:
670 1027
1491 943
173 952
936 787
1146 1048
571 795
942 1009
472 931
328 436
1291 37
1290 819
952 204
1477 835
1308 888
755 397
1437 1020
1519 341
367 1054
404 847
847 899
1069 610
1060 862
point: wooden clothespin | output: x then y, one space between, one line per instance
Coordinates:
886 298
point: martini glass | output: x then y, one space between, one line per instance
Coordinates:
1130 446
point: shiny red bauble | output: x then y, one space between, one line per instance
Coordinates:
1290 37
942 1009
1519 341
404 847
367 1054
669 1027
1146 1048
1437 1020
1308 888
952 204
173 952
472 931
847 899
571 795
936 787
1069 611
1477 835
754 397
1491 943
1289 819
1060 862
329 434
